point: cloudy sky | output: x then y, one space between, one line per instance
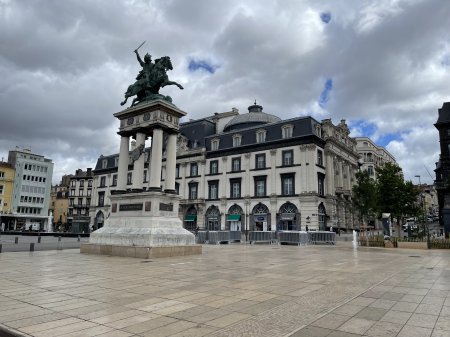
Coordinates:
382 65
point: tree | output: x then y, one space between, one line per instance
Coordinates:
364 196
394 195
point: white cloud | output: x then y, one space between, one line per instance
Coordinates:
66 64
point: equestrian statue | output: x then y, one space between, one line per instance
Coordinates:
151 78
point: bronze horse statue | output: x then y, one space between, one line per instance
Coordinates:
148 84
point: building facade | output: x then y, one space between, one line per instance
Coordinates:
372 156
7 174
442 170
31 192
60 205
80 194
253 172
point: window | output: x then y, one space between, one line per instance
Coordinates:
81 183
1 189
101 198
73 183
177 188
177 171
236 164
235 186
288 158
194 169
237 140
145 176
114 180
214 145
261 136
321 184
88 201
214 167
260 186
2 174
116 162
104 163
90 183
260 161
129 178
80 201
287 184
286 131
370 170
193 190
319 157
213 189
72 192
102 182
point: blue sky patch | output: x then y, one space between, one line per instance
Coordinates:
384 140
199 65
367 128
325 94
325 17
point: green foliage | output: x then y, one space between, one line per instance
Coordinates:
389 194
364 195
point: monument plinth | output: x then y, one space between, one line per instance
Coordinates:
143 220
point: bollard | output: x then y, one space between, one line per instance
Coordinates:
16 241
0 248
78 238
39 239
31 246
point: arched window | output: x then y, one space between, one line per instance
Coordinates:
322 217
190 219
213 218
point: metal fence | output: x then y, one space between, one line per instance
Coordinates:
262 236
235 235
322 237
293 237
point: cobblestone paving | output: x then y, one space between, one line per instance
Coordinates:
230 290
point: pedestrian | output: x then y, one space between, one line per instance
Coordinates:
196 230
307 229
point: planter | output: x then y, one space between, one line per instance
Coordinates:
412 245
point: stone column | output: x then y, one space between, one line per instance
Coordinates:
123 163
156 163
171 159
138 168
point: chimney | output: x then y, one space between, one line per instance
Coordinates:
89 171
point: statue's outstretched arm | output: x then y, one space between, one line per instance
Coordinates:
139 58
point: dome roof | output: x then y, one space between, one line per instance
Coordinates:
254 117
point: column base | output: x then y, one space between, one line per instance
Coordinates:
171 191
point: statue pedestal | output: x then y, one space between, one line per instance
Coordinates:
143 225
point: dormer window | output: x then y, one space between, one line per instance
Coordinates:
214 144
104 163
237 140
260 136
287 130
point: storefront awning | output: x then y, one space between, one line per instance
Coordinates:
233 217
287 216
190 218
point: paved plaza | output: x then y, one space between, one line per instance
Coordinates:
230 290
